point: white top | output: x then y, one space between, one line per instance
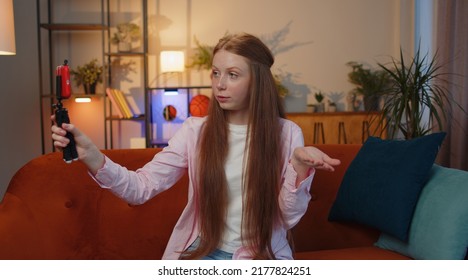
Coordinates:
234 164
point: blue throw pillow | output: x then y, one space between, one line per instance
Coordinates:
383 182
439 229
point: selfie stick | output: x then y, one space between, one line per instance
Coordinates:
63 91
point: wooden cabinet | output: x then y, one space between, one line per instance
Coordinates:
338 128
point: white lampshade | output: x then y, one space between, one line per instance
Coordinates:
172 61
7 28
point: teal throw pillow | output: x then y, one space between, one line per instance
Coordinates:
439 230
383 182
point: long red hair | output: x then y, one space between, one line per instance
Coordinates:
262 178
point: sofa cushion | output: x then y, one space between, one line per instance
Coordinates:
439 229
356 253
382 184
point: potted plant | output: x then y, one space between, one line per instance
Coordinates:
371 84
126 33
88 75
311 108
332 106
320 107
415 95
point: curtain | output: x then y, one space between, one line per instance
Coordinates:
452 46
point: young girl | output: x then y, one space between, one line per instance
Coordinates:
249 171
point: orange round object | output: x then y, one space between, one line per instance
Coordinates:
169 112
199 105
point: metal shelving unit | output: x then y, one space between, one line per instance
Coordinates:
142 54
65 26
48 50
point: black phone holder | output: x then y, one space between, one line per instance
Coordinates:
63 91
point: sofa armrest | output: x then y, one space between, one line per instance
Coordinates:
20 237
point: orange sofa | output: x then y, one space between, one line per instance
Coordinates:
52 210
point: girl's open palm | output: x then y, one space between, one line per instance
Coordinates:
313 157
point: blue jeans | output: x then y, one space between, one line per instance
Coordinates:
215 255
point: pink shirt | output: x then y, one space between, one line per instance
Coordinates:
168 166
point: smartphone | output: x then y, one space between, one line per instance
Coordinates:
63 81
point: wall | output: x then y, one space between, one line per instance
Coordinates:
323 36
318 37
19 98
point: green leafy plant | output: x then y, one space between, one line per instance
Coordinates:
415 95
126 33
371 84
87 74
282 90
319 96
203 56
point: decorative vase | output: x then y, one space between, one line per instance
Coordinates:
311 108
125 46
90 88
320 107
354 102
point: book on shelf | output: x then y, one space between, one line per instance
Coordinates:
120 102
123 102
114 102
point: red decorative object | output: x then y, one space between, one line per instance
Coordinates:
199 105
169 113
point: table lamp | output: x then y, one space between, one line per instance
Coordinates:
172 62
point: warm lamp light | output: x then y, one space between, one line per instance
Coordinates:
7 28
172 61
82 99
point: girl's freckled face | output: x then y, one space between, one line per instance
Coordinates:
230 80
